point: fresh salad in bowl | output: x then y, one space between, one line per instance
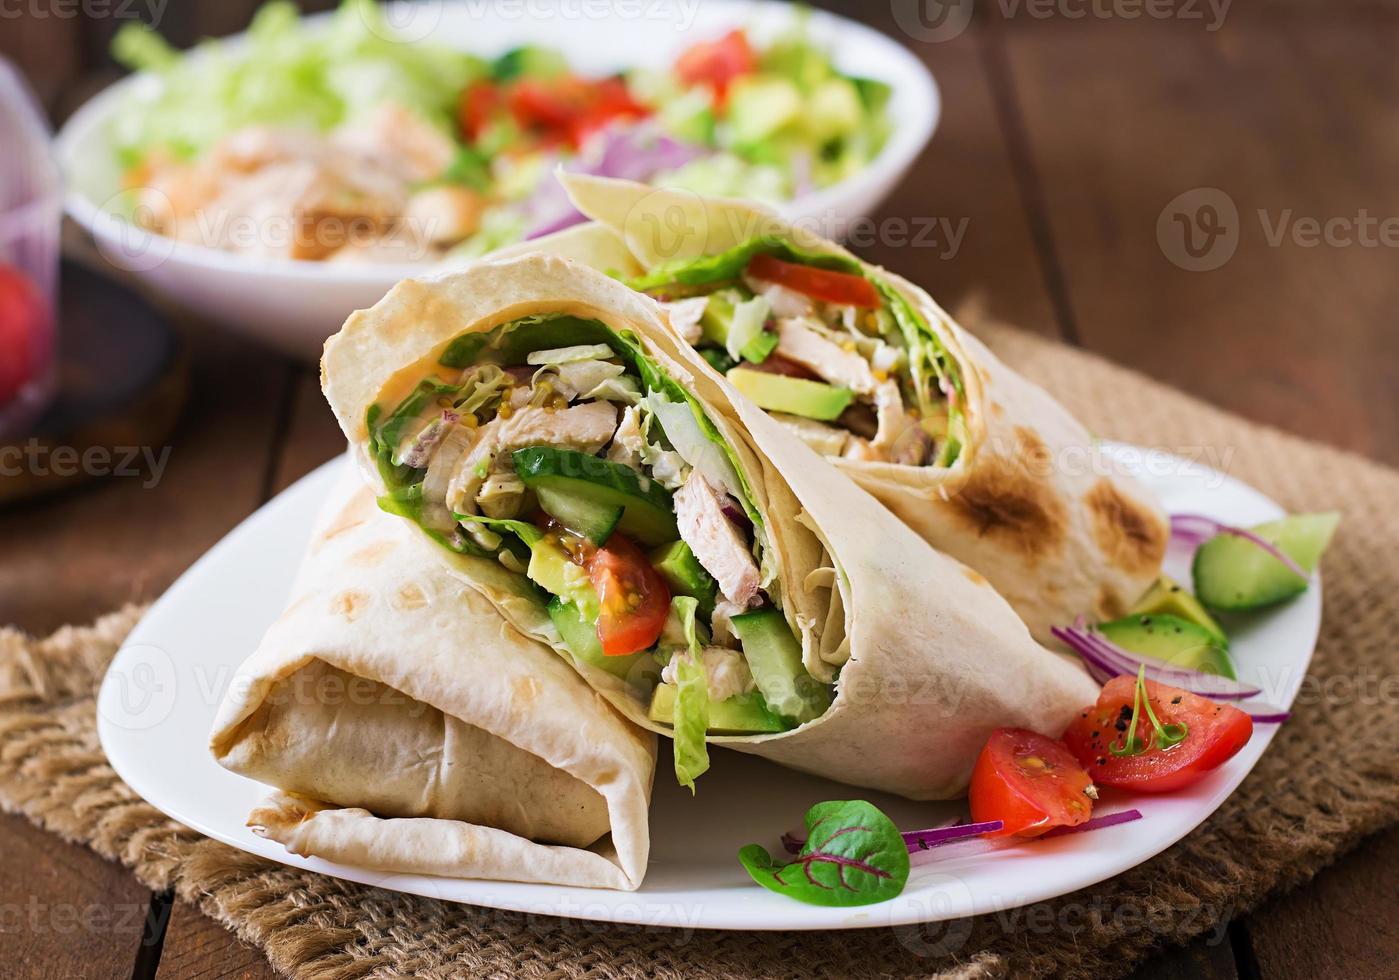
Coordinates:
343 143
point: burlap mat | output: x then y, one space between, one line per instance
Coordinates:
1331 777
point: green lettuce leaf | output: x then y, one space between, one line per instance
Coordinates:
691 701
285 74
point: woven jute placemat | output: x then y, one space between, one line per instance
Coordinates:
1330 778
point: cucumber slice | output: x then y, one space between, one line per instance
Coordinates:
593 520
742 714
647 512
581 638
1233 573
775 658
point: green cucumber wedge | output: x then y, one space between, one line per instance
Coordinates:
1233 573
647 512
742 714
775 658
581 515
581 638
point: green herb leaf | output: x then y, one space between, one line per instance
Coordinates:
853 855
691 701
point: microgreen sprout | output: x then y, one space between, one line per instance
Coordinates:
1166 735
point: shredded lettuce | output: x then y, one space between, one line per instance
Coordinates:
928 359
692 443
286 74
691 700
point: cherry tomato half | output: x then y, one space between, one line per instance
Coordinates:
717 63
1030 782
826 285
1213 733
634 597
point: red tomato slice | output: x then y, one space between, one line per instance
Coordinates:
826 285
476 108
634 597
568 109
1030 782
1214 732
23 316
717 63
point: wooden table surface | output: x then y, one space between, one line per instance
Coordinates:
1062 142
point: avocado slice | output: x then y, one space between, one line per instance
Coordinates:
760 106
775 658
580 636
647 512
1167 597
551 568
833 109
795 396
1233 573
684 574
742 714
1179 642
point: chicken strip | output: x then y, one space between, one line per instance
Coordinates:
699 513
832 362
586 428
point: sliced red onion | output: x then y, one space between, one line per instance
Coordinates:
1270 717
1106 660
1095 823
735 514
566 220
922 840
630 152
1199 528
420 452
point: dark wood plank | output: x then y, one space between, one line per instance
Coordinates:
198 948
1207 958
1121 119
1295 119
312 435
72 557
65 912
957 224
46 49
1341 925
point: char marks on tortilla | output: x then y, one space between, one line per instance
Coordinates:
1005 501
1132 538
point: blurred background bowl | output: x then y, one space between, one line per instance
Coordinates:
294 305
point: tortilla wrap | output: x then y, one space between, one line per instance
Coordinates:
1031 502
410 729
926 658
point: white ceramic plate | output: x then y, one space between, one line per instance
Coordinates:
295 305
157 704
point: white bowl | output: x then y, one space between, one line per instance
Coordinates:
294 305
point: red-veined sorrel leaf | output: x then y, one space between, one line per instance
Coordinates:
853 855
